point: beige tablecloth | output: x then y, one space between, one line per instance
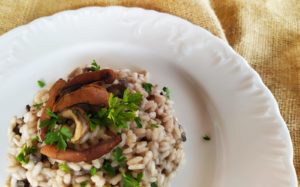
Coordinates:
265 32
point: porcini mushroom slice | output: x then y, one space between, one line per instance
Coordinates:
106 75
89 94
53 93
81 123
89 154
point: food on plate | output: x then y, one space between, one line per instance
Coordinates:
100 127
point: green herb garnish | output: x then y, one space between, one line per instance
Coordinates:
64 167
83 184
138 122
166 92
153 184
38 105
119 111
59 137
51 114
147 87
41 83
50 123
206 137
95 66
35 139
93 171
108 168
119 157
153 125
22 157
130 181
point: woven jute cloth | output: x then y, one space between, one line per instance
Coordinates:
265 32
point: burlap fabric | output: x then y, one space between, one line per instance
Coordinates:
265 32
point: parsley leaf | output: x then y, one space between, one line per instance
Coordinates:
35 139
147 87
59 137
167 92
108 168
138 122
153 184
41 83
64 167
95 66
130 181
38 105
118 156
51 114
83 184
93 171
22 157
153 125
132 98
121 111
206 138
139 177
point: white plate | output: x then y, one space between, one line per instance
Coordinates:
214 89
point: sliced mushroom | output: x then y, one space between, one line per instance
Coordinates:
106 75
81 123
89 154
90 94
53 93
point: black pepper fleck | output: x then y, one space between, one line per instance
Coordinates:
28 108
206 138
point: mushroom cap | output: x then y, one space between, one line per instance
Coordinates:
53 93
85 155
91 94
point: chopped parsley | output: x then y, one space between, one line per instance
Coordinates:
119 157
153 125
51 114
147 87
119 111
59 137
153 184
95 66
83 184
35 139
108 168
41 83
206 138
130 181
22 157
93 171
166 92
50 123
64 167
138 122
38 105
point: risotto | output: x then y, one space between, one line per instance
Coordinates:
100 127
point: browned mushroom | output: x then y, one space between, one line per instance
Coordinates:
90 94
106 75
53 93
89 154
80 119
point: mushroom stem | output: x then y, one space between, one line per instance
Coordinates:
81 123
